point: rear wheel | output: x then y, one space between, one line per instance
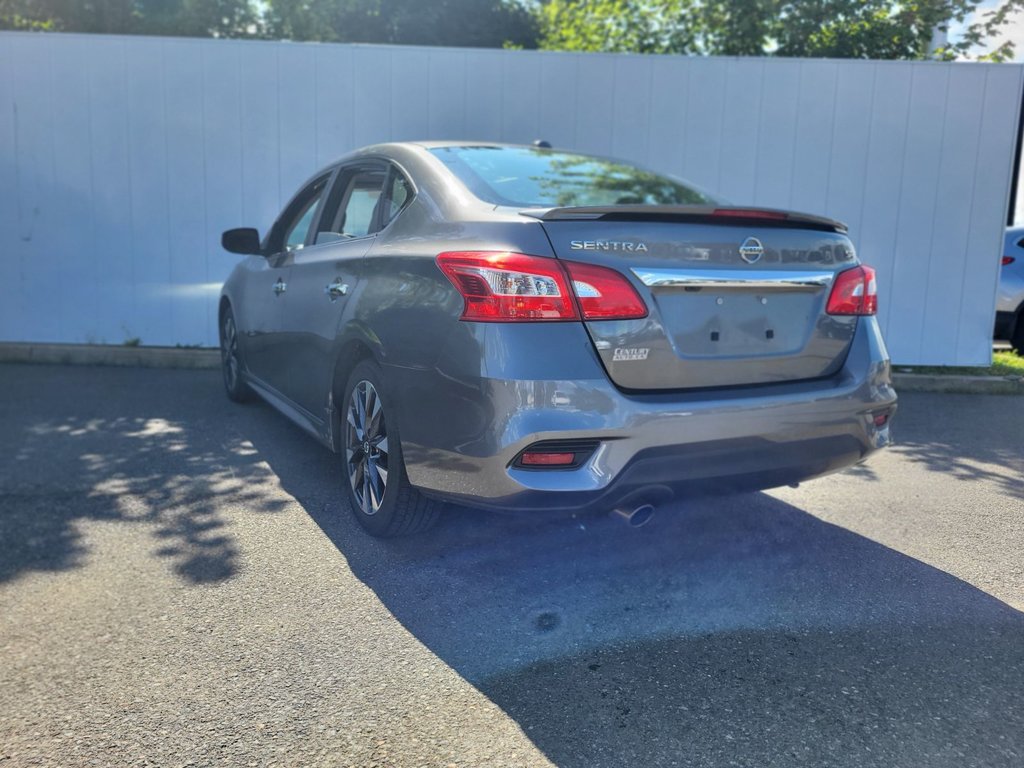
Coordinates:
378 490
231 359
1017 340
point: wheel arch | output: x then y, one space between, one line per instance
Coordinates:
352 351
222 307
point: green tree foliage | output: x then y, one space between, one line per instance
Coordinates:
467 23
982 31
736 27
879 29
200 18
191 18
617 26
883 29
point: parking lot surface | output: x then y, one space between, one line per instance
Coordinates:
180 584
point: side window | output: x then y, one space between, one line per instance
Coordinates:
293 226
362 202
399 193
351 208
296 236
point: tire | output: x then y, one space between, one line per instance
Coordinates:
231 365
377 488
1017 340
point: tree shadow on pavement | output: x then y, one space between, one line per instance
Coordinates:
984 442
124 456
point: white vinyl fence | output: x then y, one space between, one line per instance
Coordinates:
123 158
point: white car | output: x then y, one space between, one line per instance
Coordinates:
1010 298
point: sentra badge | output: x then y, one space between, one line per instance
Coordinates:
607 245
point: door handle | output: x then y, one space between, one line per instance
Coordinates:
336 289
280 286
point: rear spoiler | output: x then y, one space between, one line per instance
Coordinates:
706 214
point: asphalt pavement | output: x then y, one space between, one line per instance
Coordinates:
181 584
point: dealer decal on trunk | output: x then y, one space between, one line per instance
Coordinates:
624 354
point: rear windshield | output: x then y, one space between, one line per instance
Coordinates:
542 178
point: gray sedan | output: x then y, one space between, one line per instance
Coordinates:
515 327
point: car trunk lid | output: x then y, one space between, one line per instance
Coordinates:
735 296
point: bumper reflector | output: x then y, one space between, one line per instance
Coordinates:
556 454
548 459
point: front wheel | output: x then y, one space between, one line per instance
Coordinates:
231 359
378 490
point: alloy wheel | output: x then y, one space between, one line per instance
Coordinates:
366 447
229 352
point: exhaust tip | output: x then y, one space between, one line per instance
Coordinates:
637 516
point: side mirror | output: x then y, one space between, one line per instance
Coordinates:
244 240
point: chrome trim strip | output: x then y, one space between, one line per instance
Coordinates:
768 280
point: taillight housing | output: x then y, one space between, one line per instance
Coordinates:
1008 260
499 286
854 292
604 294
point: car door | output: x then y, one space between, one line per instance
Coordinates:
268 285
324 277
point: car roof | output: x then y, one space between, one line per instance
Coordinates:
397 149
442 144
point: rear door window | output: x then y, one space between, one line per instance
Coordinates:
352 209
399 193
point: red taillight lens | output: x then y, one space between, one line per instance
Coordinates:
1008 260
499 286
604 294
855 292
504 287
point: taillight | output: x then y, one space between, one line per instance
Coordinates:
855 292
504 287
1007 260
501 286
604 294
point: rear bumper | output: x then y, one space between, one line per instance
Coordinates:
462 444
